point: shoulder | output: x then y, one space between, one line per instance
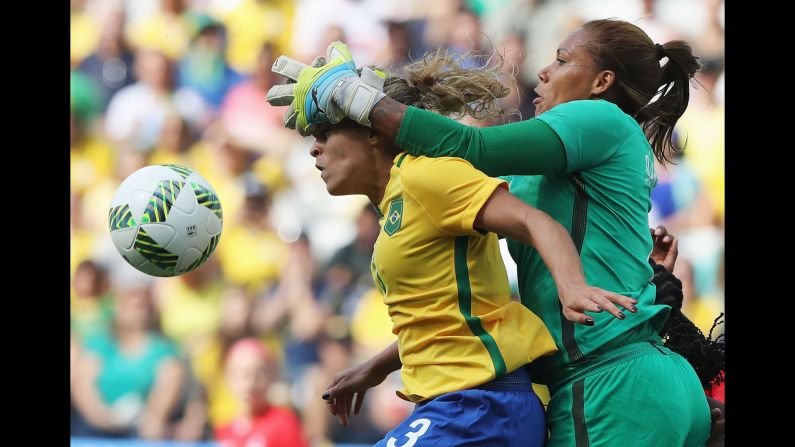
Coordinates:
99 343
420 171
589 112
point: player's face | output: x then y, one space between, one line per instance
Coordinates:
344 157
569 77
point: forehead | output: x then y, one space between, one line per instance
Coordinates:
574 42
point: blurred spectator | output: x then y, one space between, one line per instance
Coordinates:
335 355
190 306
128 381
291 310
348 271
700 309
204 69
167 30
91 158
250 118
251 23
111 65
355 19
252 254
173 143
398 51
83 31
136 114
90 309
208 361
250 370
467 40
85 96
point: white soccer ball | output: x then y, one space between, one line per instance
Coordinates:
165 220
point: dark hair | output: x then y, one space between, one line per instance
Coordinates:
705 355
626 50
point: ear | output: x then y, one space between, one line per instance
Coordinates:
603 81
375 139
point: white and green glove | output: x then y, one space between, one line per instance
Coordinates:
326 92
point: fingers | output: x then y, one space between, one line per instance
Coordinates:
598 300
344 409
671 254
577 317
288 67
359 401
318 62
290 116
621 300
338 49
281 95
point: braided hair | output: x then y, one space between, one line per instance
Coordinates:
705 354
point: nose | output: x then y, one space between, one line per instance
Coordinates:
314 151
543 74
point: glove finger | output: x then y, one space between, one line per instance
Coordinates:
288 67
338 49
373 78
290 117
281 95
318 62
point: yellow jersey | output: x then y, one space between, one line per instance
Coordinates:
444 282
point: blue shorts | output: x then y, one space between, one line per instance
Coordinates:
503 412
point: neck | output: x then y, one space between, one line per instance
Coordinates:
381 173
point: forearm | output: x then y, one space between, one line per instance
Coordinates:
385 361
529 147
167 389
556 248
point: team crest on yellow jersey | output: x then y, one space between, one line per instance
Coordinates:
394 218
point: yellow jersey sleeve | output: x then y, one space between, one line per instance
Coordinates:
450 190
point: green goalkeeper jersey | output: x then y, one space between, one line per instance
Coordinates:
597 172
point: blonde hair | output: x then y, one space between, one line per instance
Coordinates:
439 83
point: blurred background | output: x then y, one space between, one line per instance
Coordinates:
287 299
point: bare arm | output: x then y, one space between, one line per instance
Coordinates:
506 215
86 396
357 380
163 399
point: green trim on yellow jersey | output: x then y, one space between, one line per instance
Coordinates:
465 305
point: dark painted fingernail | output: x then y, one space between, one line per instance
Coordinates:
589 322
633 309
634 301
600 308
326 395
621 315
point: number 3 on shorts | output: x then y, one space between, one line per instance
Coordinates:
412 435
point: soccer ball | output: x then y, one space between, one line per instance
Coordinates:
165 220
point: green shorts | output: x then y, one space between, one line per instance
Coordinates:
642 394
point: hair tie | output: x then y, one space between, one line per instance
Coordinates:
660 51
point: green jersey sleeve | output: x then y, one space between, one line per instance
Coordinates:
525 148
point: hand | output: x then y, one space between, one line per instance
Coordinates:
326 93
353 382
666 248
717 428
576 299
